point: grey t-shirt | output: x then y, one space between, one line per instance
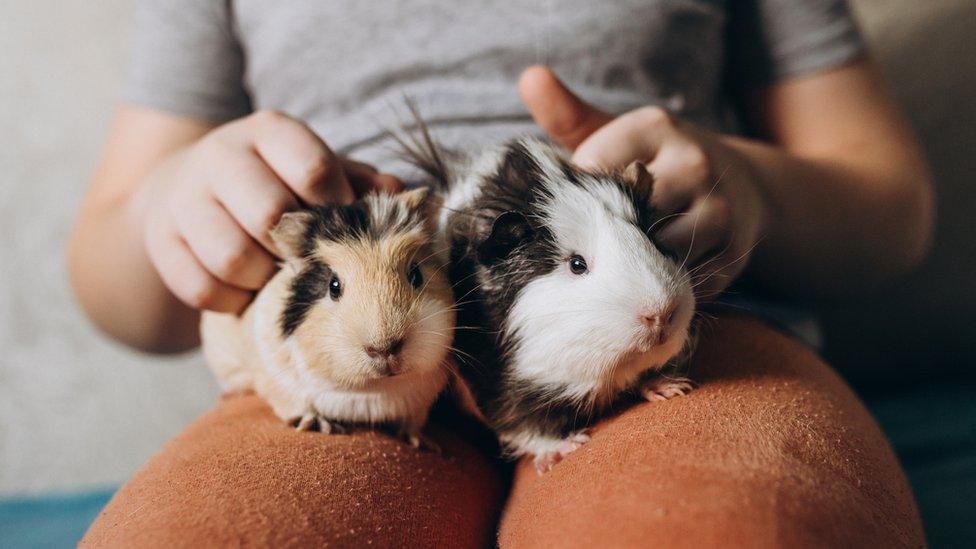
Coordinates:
344 66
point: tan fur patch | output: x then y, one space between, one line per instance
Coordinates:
378 304
323 366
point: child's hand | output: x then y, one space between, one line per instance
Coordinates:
715 210
214 203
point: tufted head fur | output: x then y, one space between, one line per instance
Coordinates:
570 341
369 299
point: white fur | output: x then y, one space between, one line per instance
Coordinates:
380 209
468 188
406 397
529 442
584 332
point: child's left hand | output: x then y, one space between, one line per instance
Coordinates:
716 212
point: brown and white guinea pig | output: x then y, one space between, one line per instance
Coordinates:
355 328
574 301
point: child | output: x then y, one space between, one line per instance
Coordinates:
237 112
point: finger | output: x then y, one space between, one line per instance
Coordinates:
222 246
388 183
681 170
636 135
189 281
256 198
365 178
302 160
698 234
556 109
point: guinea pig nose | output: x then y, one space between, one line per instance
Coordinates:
658 320
652 321
385 351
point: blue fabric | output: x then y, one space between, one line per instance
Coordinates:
49 521
933 430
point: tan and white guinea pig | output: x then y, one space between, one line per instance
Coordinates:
356 327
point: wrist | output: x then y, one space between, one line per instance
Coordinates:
756 184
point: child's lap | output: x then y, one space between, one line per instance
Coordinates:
240 474
772 448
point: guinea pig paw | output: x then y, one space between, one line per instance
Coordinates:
422 442
663 388
545 461
315 422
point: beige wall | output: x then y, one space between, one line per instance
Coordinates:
76 410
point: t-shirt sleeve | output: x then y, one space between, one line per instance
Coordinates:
773 40
186 60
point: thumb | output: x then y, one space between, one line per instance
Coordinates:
557 110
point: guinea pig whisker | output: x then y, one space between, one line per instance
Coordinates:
462 353
431 278
706 277
695 278
703 315
472 328
428 316
434 252
709 295
432 332
469 292
715 257
451 308
711 260
415 300
464 357
472 275
718 271
662 220
694 227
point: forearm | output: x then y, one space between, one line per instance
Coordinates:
178 217
837 223
116 282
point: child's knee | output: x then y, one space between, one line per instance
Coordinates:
772 446
240 474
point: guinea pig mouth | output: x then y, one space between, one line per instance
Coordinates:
388 366
659 341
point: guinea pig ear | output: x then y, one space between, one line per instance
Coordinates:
637 174
508 231
424 203
414 198
289 234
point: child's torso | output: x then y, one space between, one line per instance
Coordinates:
346 65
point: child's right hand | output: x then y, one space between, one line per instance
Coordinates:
214 203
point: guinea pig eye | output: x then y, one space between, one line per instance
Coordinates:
335 288
577 265
414 275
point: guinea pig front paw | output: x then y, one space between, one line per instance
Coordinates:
663 388
421 442
545 461
315 422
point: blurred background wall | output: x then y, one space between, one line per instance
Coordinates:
78 411
75 409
